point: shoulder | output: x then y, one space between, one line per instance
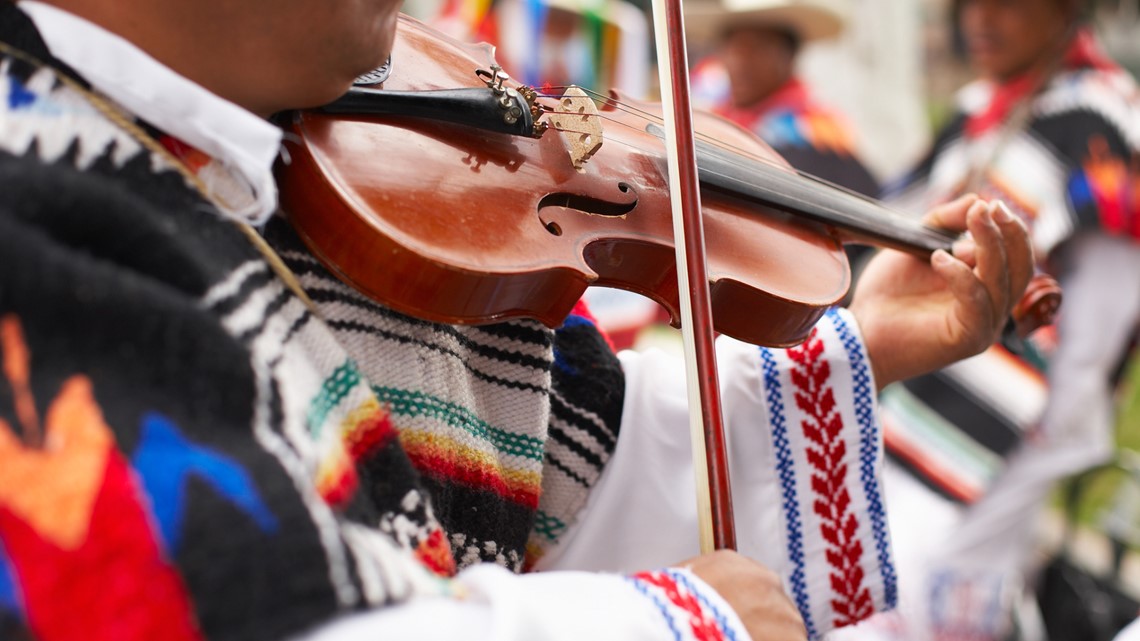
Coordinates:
78 176
1090 102
54 129
807 126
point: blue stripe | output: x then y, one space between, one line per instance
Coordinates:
1080 191
784 465
668 616
718 616
868 451
9 586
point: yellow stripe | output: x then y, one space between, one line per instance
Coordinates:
459 453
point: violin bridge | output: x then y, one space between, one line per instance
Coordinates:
576 118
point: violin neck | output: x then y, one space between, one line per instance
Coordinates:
863 219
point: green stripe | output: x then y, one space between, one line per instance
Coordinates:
547 526
939 436
333 391
414 404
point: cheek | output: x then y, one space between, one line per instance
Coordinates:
365 37
347 28
385 31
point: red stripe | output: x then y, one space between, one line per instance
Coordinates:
826 454
702 627
369 435
481 478
337 493
938 474
435 553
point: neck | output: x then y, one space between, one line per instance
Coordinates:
768 98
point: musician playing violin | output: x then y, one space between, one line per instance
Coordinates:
189 449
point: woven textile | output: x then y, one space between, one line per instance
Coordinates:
1070 167
159 377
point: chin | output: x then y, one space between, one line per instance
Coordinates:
315 96
331 92
986 65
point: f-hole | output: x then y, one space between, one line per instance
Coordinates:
586 205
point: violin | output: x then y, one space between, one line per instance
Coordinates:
449 193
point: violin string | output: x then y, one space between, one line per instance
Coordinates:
648 116
606 100
736 157
641 113
736 162
739 161
785 174
702 137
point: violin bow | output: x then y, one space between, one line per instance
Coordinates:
710 455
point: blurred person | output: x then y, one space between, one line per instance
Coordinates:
1051 127
750 79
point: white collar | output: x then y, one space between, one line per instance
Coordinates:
242 142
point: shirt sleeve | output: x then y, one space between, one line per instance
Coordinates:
806 462
1097 141
497 605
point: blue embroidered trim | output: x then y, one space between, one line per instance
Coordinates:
869 438
668 616
10 598
19 97
721 619
784 464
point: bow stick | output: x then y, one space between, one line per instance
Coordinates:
710 460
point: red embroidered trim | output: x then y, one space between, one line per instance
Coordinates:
703 628
826 451
435 553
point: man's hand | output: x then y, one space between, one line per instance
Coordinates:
917 317
754 592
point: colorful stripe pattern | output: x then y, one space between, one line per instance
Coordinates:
689 614
1108 186
826 454
828 457
870 452
954 428
791 503
506 419
1071 167
298 452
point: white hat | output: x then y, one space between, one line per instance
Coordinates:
807 19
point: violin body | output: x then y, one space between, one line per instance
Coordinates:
460 225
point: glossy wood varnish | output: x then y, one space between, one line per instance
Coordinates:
459 225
